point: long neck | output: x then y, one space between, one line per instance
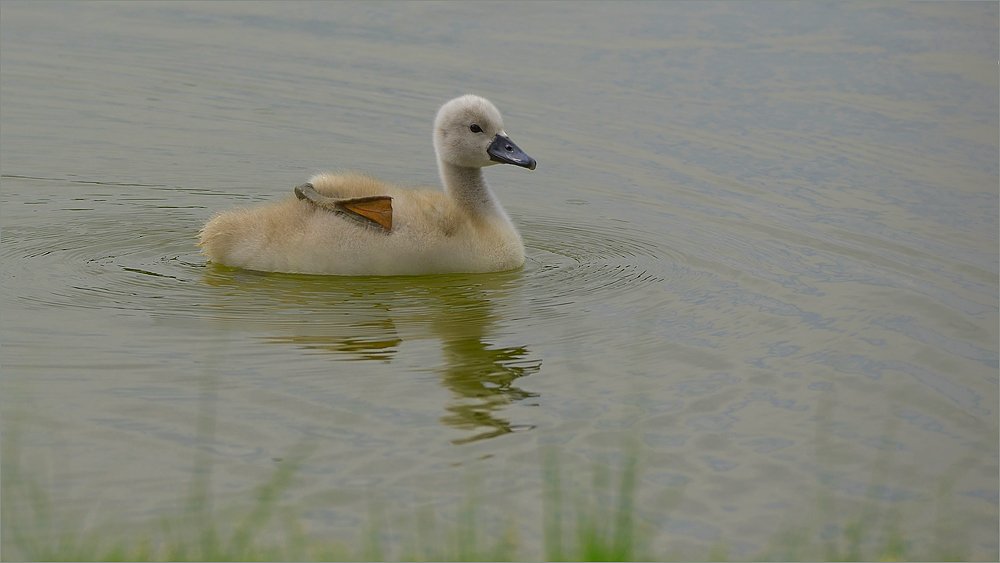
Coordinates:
468 187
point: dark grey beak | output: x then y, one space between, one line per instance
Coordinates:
504 150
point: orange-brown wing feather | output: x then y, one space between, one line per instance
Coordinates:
376 208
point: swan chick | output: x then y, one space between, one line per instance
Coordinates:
353 224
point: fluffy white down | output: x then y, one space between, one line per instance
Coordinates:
460 229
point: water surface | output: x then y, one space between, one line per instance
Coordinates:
762 242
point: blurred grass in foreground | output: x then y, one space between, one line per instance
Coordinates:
35 528
578 525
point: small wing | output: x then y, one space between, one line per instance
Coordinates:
375 210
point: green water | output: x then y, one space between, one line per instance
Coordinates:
759 235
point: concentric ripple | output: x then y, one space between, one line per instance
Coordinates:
573 265
132 248
102 246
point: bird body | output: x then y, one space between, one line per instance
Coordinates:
460 229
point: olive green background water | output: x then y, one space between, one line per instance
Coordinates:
762 244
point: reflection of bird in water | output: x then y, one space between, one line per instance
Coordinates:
370 319
375 340
483 378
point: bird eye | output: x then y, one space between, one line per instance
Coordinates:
475 128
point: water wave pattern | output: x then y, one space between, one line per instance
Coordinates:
708 280
569 262
130 247
741 246
112 246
